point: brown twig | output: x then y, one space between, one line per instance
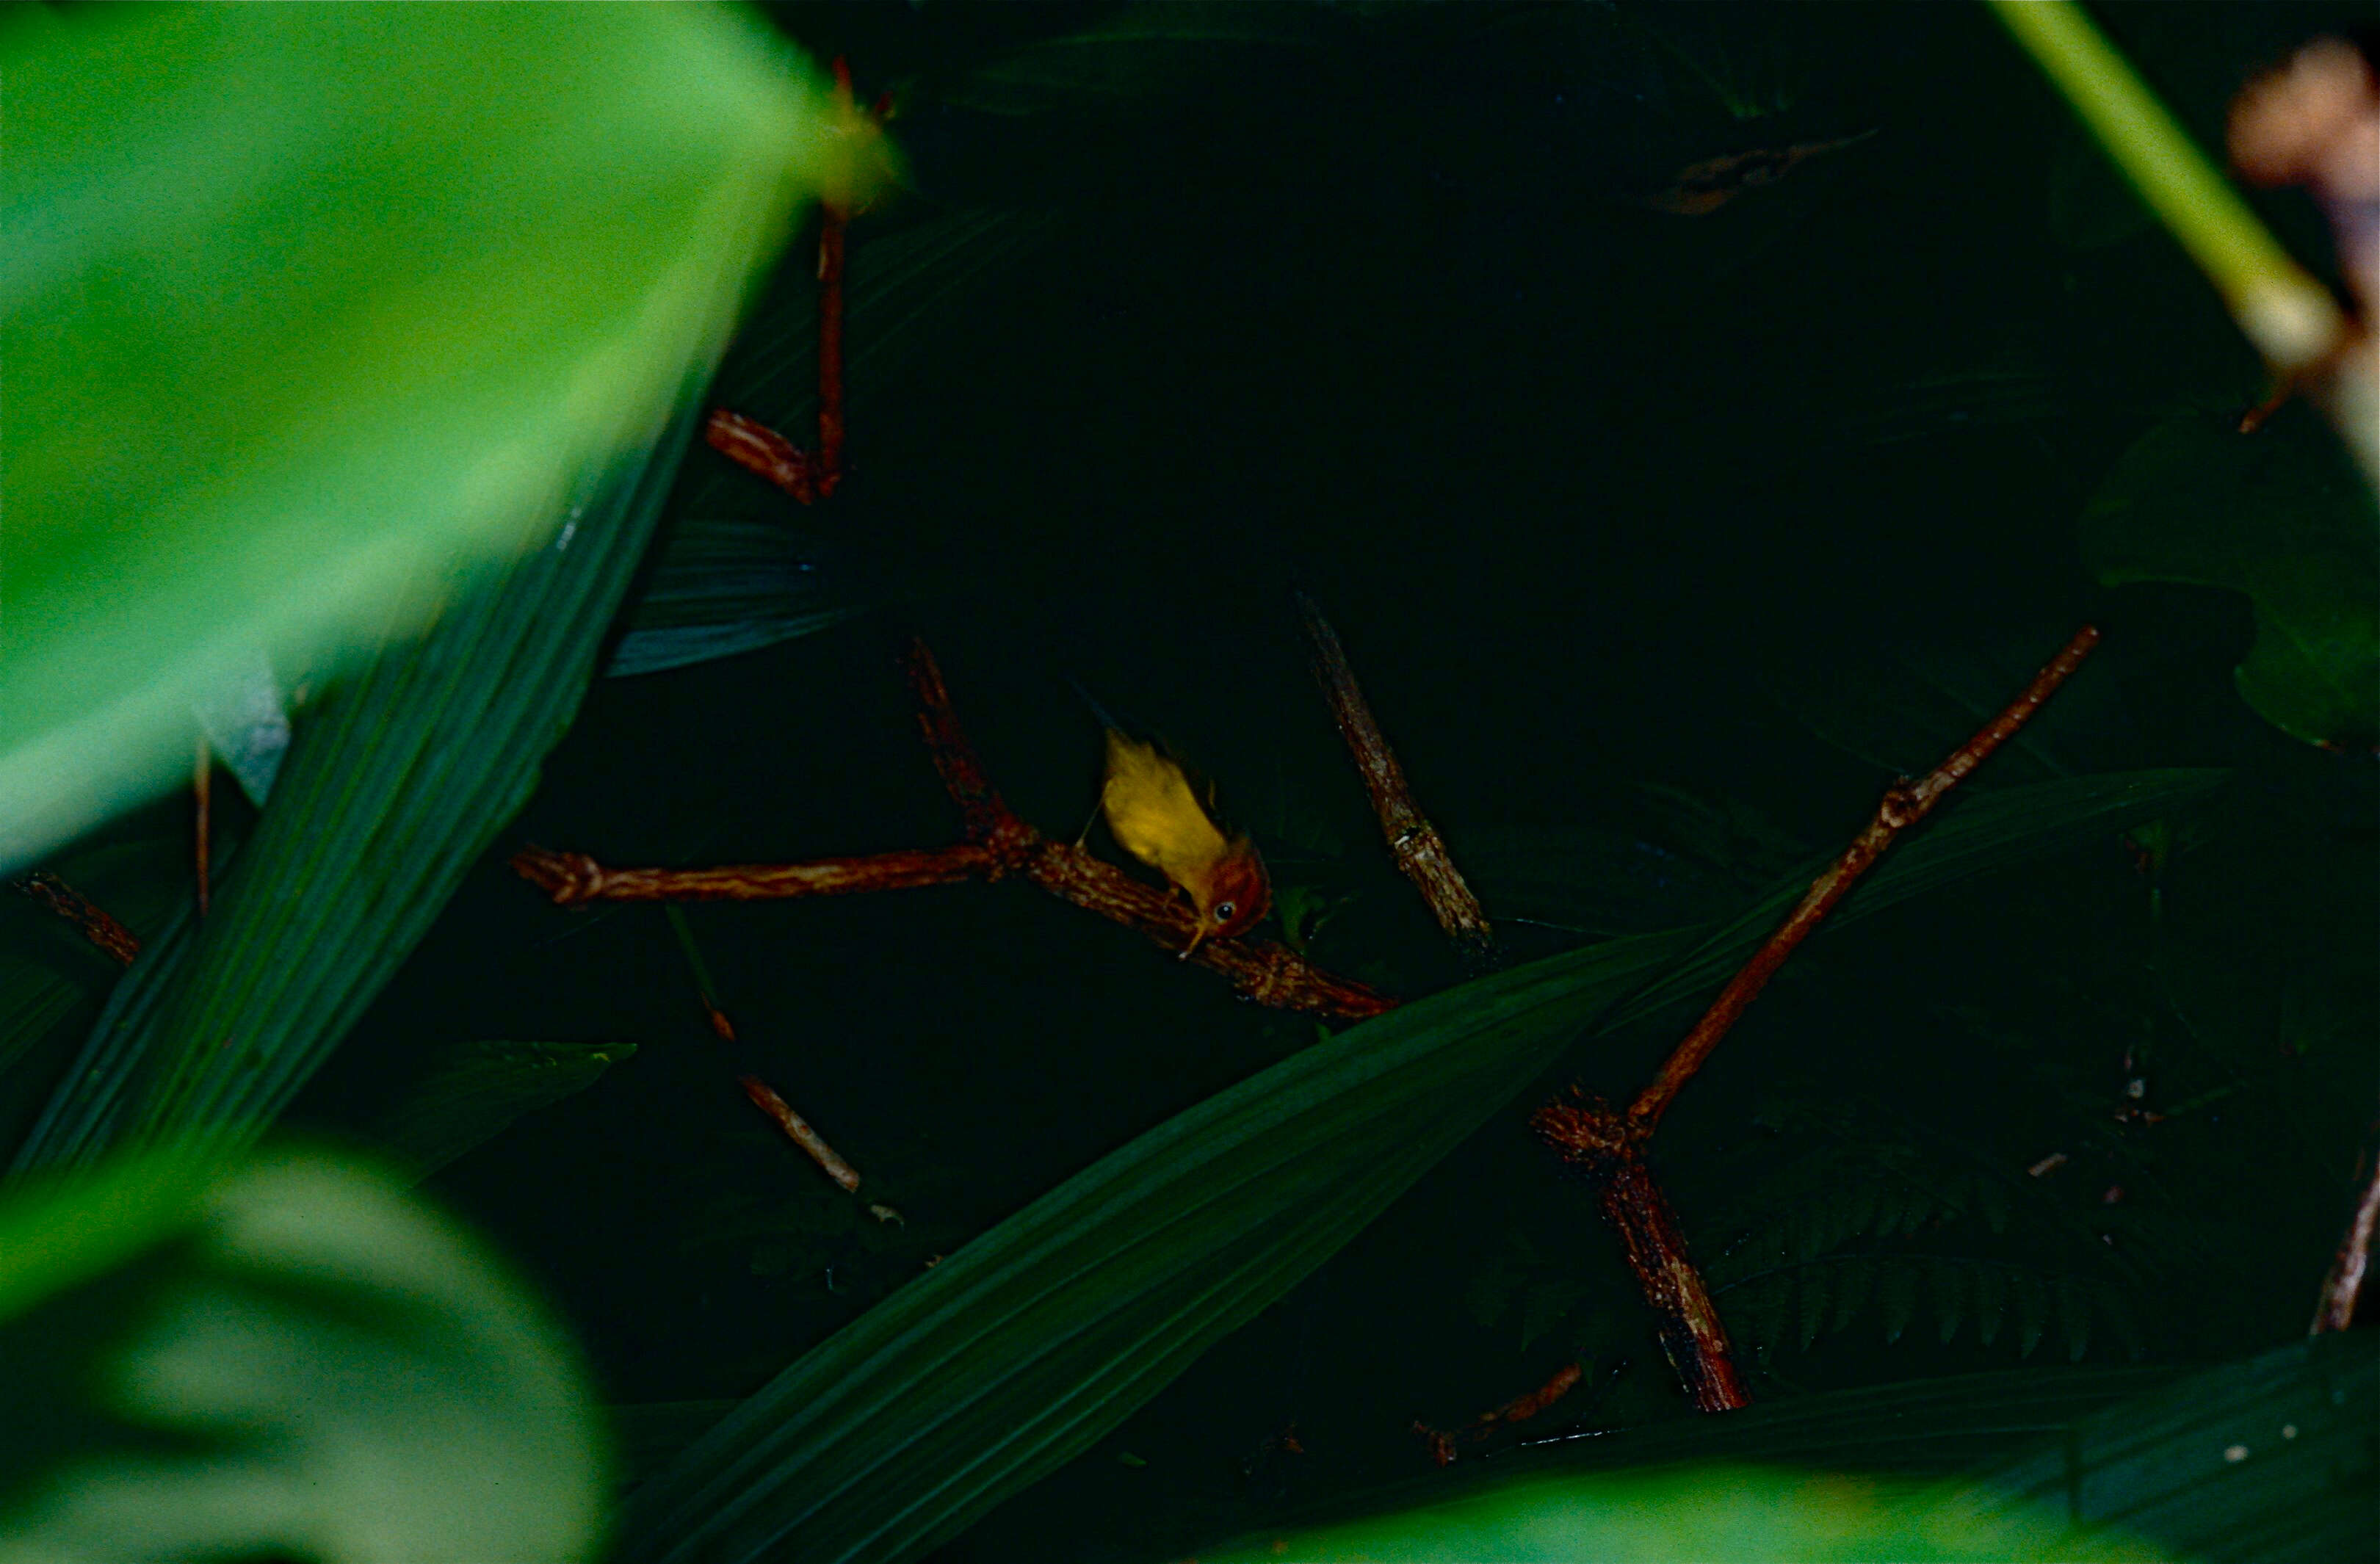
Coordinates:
1903 806
2343 1287
797 1129
753 445
1420 852
1611 1145
1586 1131
69 903
998 844
1520 1409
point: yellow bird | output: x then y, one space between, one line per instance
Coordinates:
1157 816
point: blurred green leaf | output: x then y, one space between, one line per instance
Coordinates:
2280 516
2268 1459
305 309
395 784
1032 1342
2275 1459
472 1093
1708 1512
289 1359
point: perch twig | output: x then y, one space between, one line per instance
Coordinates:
1420 852
797 1129
1520 1409
998 844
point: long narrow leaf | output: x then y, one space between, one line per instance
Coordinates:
385 799
1036 1339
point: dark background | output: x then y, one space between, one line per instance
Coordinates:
1617 511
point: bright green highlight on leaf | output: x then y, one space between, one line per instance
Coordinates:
1708 1513
285 1358
307 308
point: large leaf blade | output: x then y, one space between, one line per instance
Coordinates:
186 1343
301 306
385 799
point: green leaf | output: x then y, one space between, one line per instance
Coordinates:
1709 1513
726 587
2280 516
287 1359
472 1093
304 309
2269 1460
1039 1337
2265 1459
390 792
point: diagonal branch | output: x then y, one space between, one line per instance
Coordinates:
1611 1145
1904 806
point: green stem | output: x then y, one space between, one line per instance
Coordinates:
2288 316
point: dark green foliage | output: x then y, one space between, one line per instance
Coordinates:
1044 1333
1662 544
344 1374
469 1095
2273 1459
388 797
1837 1220
2285 519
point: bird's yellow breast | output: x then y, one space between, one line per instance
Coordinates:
1156 818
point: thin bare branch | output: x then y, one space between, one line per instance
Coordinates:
1904 806
1419 851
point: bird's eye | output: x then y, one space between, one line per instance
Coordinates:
1225 911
